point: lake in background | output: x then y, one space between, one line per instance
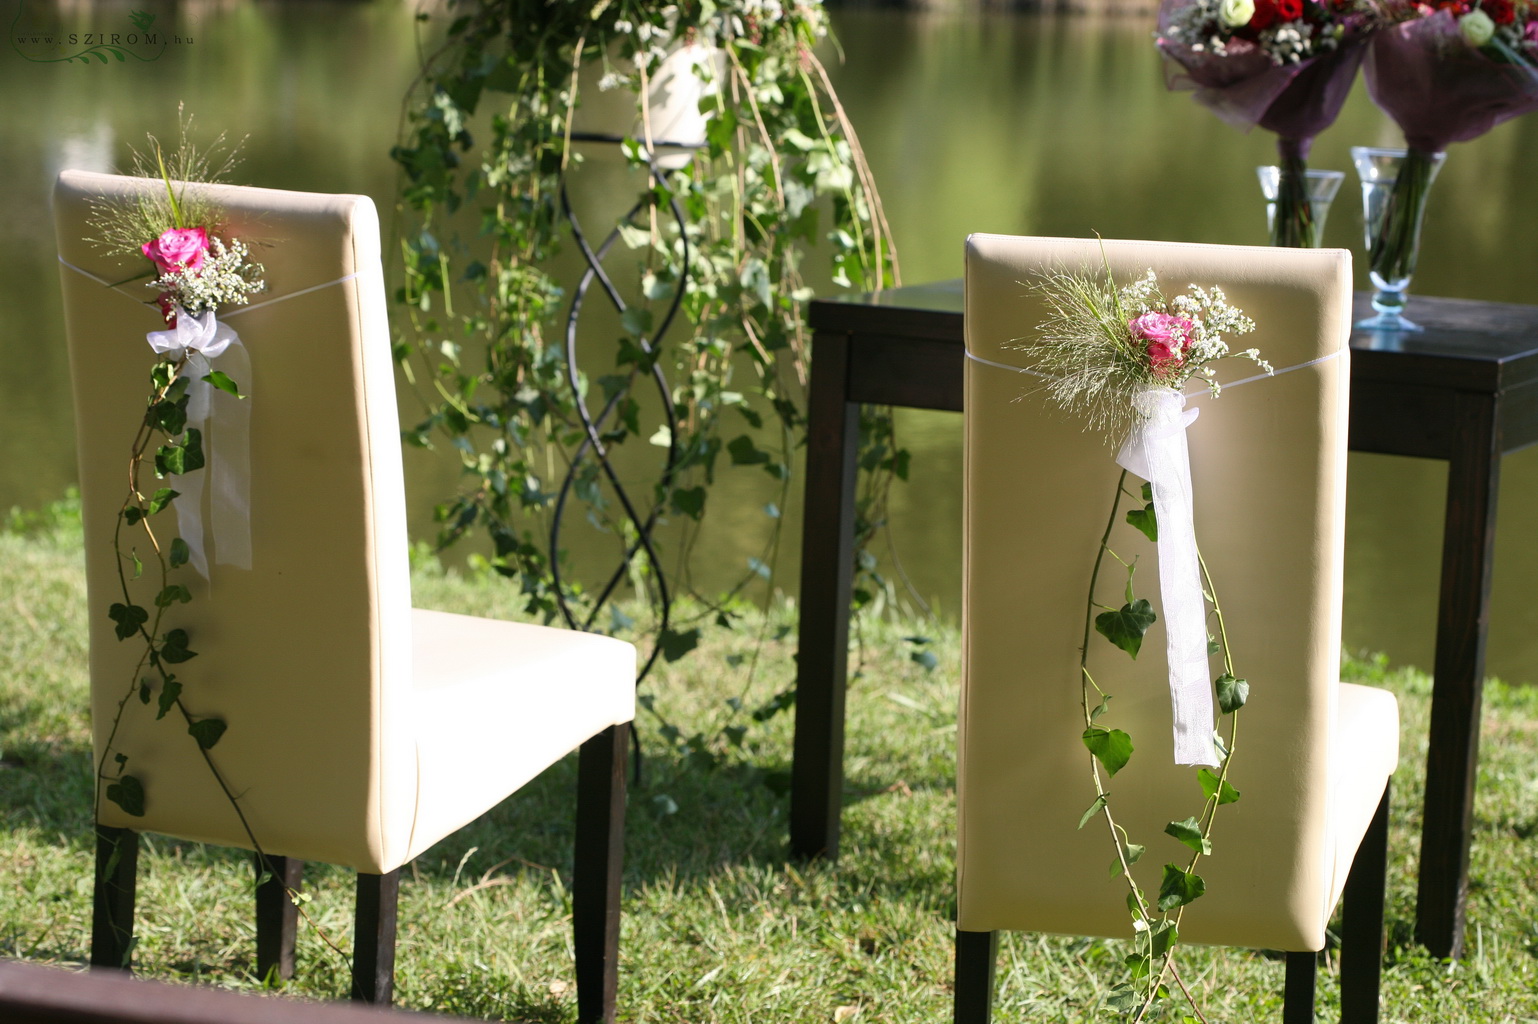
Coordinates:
1029 124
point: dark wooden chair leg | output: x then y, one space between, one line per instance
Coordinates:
599 858
373 950
277 919
112 898
1361 942
977 956
1298 996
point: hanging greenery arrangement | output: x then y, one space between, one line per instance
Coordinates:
719 236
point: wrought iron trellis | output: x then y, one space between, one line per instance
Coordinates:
592 444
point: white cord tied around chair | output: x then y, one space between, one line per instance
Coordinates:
225 423
218 415
1156 450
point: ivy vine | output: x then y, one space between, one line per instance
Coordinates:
487 149
1155 919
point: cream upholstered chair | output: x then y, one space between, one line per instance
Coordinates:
360 731
1313 756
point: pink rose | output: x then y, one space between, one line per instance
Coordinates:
177 249
1165 336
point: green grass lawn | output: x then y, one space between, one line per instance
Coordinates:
718 926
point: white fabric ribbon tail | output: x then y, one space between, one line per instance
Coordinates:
225 423
1156 450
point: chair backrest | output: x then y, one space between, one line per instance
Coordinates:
1268 470
299 653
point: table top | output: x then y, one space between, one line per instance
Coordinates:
1467 344
905 340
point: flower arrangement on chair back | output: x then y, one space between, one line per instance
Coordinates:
328 719
1056 676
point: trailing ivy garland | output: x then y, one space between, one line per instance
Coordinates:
779 173
1116 355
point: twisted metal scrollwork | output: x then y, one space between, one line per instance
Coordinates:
592 445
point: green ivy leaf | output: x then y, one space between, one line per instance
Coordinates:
168 415
1189 832
170 460
1101 708
1111 747
1125 626
1161 937
1093 809
173 594
637 321
206 731
180 553
675 644
174 649
1232 693
138 565
1131 853
222 381
1145 521
1179 887
128 793
192 447
1210 787
1122 999
168 694
132 514
689 501
744 452
160 500
129 617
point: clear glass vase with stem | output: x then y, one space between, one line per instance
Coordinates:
1295 215
1395 183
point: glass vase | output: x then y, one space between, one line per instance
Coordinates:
1394 187
1295 217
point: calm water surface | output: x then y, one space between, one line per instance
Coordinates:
1017 124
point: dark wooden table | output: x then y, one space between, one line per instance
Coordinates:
1464 390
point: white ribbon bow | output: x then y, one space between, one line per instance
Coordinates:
225 421
1156 450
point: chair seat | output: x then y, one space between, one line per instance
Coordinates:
486 722
1365 754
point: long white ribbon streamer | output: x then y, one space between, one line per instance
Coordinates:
1156 450
225 423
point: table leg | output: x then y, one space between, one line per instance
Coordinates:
1463 618
827 580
